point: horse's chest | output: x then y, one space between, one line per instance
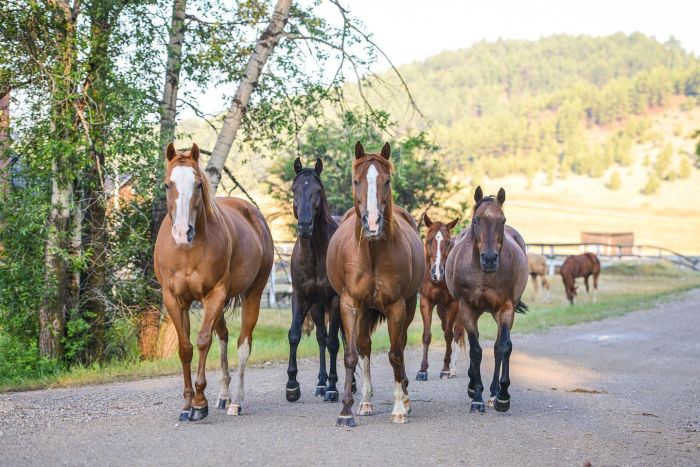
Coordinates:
437 293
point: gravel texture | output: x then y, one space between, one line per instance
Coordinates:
623 391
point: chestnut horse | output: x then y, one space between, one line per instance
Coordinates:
312 293
487 272
537 267
574 266
433 292
213 251
376 264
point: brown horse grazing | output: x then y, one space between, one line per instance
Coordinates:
433 292
574 266
376 264
537 267
487 271
214 251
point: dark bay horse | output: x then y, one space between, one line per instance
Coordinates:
375 262
214 250
312 292
584 265
487 272
434 293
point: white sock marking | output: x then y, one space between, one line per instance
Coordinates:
399 407
225 377
372 203
243 354
367 391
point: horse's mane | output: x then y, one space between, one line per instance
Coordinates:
211 209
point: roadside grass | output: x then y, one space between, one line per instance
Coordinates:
622 289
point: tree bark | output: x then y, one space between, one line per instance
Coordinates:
263 48
168 115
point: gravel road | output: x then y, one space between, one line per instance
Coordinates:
624 391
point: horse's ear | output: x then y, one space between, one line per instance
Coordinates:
452 224
426 220
318 168
386 151
501 197
194 152
297 165
170 152
359 151
478 194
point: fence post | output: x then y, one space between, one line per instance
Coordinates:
271 300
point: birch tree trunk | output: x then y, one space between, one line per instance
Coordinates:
168 115
263 48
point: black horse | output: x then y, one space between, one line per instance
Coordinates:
312 293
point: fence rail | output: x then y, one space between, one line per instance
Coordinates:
279 288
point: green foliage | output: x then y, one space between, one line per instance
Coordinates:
419 182
663 165
615 181
685 168
652 186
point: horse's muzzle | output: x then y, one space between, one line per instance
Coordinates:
183 238
489 262
373 233
305 228
437 274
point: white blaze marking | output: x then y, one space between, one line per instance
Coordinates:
438 255
183 178
372 203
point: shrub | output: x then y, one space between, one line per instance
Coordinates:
652 186
615 182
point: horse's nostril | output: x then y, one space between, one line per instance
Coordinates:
190 233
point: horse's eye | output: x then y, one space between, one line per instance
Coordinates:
166 186
356 182
199 185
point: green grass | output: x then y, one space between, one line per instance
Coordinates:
622 289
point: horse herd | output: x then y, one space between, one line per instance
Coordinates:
348 275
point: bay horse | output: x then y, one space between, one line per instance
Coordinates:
584 265
537 267
434 293
312 292
217 251
487 272
376 264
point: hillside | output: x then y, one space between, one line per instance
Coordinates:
585 133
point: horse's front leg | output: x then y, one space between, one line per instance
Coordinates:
225 378
364 346
213 305
504 347
318 316
396 317
349 309
476 388
333 345
452 340
178 311
426 311
299 309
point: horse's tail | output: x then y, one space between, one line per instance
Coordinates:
521 307
375 318
462 344
232 305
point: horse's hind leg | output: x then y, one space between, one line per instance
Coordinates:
504 347
535 285
333 345
452 339
225 378
595 287
213 310
476 387
179 314
364 345
426 311
585 281
299 310
318 315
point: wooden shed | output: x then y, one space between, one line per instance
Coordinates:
609 242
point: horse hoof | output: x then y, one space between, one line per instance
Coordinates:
444 374
399 418
197 414
407 406
365 409
477 407
501 406
293 393
184 416
345 420
422 376
451 374
470 393
234 409
330 396
353 389
223 404
489 402
320 391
